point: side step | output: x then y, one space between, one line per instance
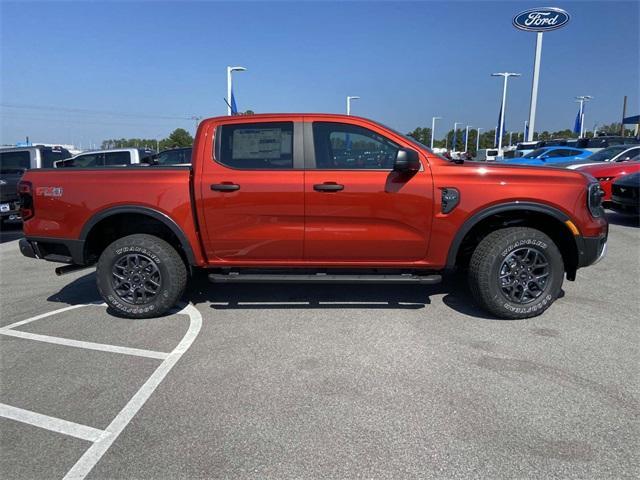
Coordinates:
235 277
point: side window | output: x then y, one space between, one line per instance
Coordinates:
633 154
255 146
117 158
340 146
88 160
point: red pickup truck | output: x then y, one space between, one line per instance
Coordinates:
317 198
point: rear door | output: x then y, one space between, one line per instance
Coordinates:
252 197
358 209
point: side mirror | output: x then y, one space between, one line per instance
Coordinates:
407 161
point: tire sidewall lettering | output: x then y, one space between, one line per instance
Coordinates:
135 249
527 242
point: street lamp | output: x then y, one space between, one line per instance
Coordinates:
230 70
582 99
349 103
433 128
466 139
478 140
506 76
197 120
455 136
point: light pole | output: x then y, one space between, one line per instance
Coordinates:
455 135
197 120
524 132
582 99
349 98
478 140
433 129
506 76
466 139
230 70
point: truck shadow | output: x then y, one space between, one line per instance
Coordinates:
302 296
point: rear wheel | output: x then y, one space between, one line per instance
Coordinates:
516 272
141 276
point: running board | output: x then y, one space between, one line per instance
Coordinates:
235 277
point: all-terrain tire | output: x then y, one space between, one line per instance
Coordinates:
144 290
504 267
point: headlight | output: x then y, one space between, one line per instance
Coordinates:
594 200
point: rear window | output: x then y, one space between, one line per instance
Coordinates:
256 146
14 160
49 156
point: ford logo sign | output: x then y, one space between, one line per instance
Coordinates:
541 19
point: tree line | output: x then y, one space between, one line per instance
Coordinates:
178 138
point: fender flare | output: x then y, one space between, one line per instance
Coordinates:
149 212
487 212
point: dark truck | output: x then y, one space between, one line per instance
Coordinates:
315 198
13 163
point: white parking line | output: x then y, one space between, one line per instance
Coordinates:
115 428
50 423
86 345
102 439
44 315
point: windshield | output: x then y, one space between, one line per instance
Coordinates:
536 153
607 154
14 161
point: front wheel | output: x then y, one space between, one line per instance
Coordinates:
141 276
516 272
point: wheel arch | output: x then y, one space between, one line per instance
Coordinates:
151 217
543 217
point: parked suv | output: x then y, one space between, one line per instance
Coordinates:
318 198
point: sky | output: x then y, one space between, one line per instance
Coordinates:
81 72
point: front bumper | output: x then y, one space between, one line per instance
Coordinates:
592 249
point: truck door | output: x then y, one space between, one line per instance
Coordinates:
252 192
358 210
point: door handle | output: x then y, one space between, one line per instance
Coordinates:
328 187
225 187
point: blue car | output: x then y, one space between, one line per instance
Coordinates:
550 156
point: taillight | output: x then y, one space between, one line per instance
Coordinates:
25 193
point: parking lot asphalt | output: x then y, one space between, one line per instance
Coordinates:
330 381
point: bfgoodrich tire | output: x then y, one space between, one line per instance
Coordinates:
516 272
141 276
